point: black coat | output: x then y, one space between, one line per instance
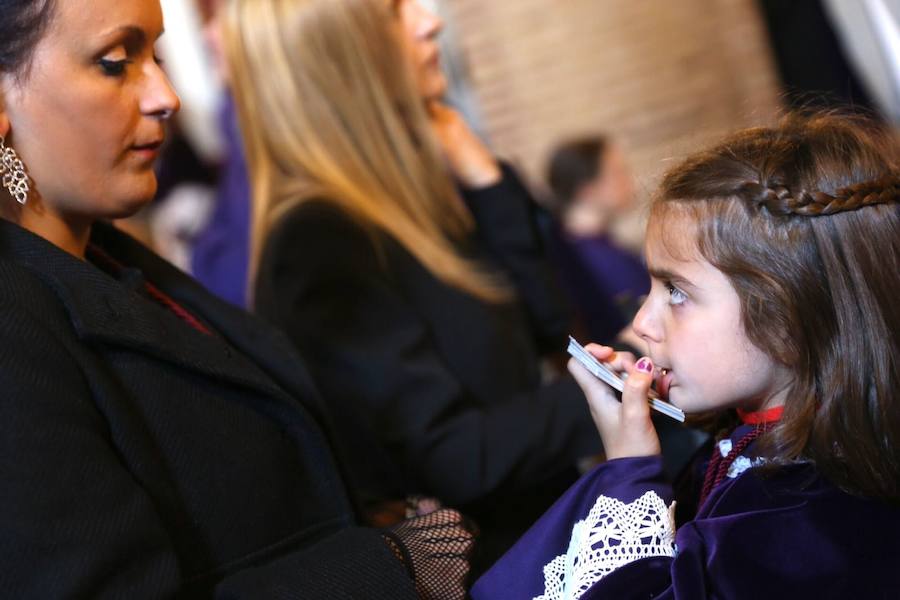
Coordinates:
437 391
141 458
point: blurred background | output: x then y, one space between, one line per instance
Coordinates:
658 76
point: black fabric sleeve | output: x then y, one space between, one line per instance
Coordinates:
505 214
323 283
76 524
358 565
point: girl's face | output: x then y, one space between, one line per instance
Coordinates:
691 322
421 28
87 118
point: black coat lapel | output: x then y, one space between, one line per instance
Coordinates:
268 348
104 311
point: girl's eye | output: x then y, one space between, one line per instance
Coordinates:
113 68
676 296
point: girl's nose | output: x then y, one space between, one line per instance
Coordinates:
646 322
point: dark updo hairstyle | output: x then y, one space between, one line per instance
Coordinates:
22 23
804 220
573 164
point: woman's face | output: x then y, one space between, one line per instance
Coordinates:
87 117
612 191
618 183
422 27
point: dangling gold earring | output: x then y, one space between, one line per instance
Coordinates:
15 179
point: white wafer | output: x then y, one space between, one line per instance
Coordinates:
610 378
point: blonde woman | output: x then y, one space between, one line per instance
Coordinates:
420 309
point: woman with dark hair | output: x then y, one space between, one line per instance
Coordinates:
155 442
592 187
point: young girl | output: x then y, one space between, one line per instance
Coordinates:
775 259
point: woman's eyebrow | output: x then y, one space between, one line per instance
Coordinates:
130 35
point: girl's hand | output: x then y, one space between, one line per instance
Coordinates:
625 427
469 159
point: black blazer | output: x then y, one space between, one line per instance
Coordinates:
141 458
435 390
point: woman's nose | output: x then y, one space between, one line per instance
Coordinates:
160 99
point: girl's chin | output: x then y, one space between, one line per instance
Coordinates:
688 405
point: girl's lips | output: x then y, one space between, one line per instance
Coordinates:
663 382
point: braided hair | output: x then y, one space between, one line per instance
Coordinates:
783 201
804 220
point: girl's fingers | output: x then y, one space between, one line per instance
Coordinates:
617 361
625 427
584 378
601 353
622 362
599 395
637 387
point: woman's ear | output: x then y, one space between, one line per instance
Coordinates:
4 118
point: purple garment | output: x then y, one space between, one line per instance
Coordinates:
221 252
767 533
606 283
617 272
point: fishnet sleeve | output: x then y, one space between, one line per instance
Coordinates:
435 548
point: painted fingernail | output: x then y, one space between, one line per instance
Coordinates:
645 365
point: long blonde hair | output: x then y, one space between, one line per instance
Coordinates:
329 111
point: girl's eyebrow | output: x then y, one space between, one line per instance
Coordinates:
667 275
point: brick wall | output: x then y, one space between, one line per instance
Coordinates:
662 76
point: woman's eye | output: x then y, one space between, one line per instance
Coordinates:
113 68
676 296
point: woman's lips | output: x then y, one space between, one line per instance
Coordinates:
147 151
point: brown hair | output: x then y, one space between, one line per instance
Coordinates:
23 24
573 164
803 218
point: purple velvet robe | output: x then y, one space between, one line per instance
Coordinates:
765 533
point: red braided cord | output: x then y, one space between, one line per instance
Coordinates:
711 469
718 466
